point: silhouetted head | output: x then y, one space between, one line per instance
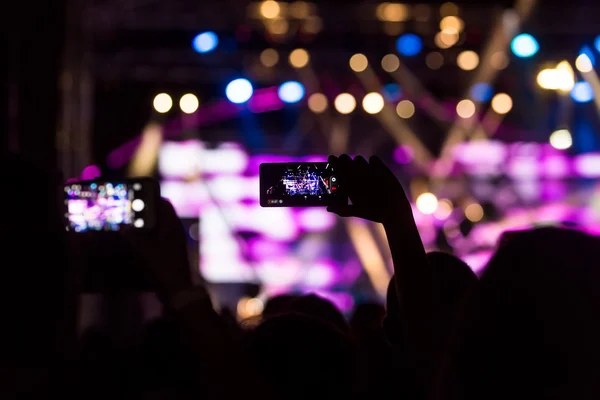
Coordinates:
532 328
367 319
300 357
454 280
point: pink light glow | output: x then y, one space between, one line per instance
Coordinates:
556 166
588 165
404 154
341 300
320 275
90 172
478 261
315 219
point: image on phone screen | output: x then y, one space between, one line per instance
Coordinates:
105 206
298 185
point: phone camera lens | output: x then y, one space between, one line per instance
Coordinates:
333 179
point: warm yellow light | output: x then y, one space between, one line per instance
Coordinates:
188 103
394 12
317 103
278 26
380 11
427 203
452 24
312 24
373 103
561 139
270 9
390 63
434 60
565 76
468 60
474 212
269 57
300 10
162 103
345 103
547 79
405 109
502 103
299 58
446 39
499 60
583 63
359 62
465 108
448 9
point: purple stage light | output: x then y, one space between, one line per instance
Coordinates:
90 172
315 219
404 154
588 165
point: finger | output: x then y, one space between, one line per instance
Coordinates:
353 211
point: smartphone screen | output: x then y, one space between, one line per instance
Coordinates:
298 185
108 206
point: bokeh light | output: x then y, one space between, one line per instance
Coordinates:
392 92
269 57
565 76
467 60
561 139
434 60
189 103
162 103
499 60
446 39
392 12
270 9
443 210
390 63
345 103
291 92
205 42
451 24
405 109
583 63
359 62
239 91
524 45
448 9
481 92
465 108
373 103
474 212
427 203
502 103
582 92
299 58
597 43
317 103
409 44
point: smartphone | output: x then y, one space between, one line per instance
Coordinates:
299 185
107 206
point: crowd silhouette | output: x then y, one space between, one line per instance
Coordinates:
528 328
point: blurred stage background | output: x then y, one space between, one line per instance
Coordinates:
488 113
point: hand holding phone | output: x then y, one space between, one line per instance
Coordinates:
300 185
105 206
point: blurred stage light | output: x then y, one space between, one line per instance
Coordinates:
451 23
467 60
269 57
317 102
474 212
405 109
434 60
584 63
392 12
409 44
481 92
392 92
270 9
561 139
597 43
444 209
524 45
239 91
189 103
446 39
162 103
582 92
359 62
299 58
427 203
373 103
205 42
345 103
502 103
300 9
291 92
565 77
546 79
448 9
465 108
390 63
499 60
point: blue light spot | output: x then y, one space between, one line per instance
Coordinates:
481 92
597 43
524 45
205 42
291 92
392 92
582 92
409 44
239 91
